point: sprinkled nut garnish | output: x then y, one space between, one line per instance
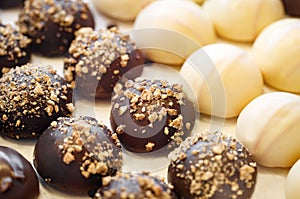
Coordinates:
83 150
53 21
149 146
120 129
211 166
82 140
97 55
141 106
29 95
134 186
13 46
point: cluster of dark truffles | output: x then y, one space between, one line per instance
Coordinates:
51 24
79 152
134 186
31 97
212 166
98 59
17 177
14 48
149 115
6 4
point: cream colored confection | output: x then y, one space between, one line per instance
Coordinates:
277 53
125 10
269 127
238 77
200 2
243 20
172 29
293 181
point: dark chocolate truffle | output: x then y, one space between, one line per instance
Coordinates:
149 115
134 186
212 166
14 48
73 154
51 24
17 177
292 7
31 97
6 4
97 60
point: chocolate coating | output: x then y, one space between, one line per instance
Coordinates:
14 48
134 186
31 97
17 177
73 154
292 7
98 59
149 115
6 4
51 24
212 166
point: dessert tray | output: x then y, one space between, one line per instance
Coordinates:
270 181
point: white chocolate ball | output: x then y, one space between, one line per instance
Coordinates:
269 127
200 2
124 10
241 80
293 181
184 18
277 53
242 20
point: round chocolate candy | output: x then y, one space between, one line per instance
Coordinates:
17 177
51 24
14 48
98 59
74 153
138 186
149 115
31 97
212 166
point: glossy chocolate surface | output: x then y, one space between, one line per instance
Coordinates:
149 115
98 59
31 97
212 166
14 48
51 24
74 153
17 177
137 186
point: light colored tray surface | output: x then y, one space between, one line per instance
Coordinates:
270 182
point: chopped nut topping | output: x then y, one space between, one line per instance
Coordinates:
147 186
151 102
68 158
13 45
93 52
31 91
120 129
36 13
214 166
122 110
149 146
84 135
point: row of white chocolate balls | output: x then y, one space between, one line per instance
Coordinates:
276 46
235 20
269 126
